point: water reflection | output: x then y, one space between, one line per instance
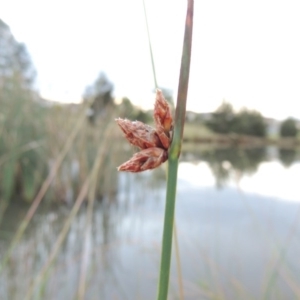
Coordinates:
237 242
234 163
287 156
223 161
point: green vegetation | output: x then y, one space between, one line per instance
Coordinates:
249 123
288 128
34 133
174 154
22 125
194 131
222 119
47 151
69 153
245 122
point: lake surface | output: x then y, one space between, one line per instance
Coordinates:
238 232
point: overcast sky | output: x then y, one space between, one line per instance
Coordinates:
246 52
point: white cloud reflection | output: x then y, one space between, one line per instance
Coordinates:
272 179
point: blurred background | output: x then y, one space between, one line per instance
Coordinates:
71 226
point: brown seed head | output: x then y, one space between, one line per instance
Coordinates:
139 134
146 159
162 112
153 142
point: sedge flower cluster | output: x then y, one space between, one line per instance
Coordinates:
152 142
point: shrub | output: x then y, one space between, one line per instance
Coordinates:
288 128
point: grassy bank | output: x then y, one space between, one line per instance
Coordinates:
33 137
35 140
200 134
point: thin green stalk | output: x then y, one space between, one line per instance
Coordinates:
174 154
150 46
156 86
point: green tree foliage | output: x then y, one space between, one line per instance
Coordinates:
288 128
21 125
222 119
247 122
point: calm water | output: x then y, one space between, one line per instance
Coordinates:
238 228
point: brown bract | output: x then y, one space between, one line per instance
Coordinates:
154 142
146 159
162 112
139 134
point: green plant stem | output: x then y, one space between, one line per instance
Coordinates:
174 154
183 83
168 230
150 46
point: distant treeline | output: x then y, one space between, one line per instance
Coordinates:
244 122
37 137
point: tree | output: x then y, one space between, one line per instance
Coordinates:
99 94
16 68
221 120
21 120
249 123
288 128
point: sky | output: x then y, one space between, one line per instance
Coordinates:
244 52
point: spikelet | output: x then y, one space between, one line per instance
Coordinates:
146 159
139 134
162 112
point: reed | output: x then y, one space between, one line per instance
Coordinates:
32 135
173 156
88 187
60 149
